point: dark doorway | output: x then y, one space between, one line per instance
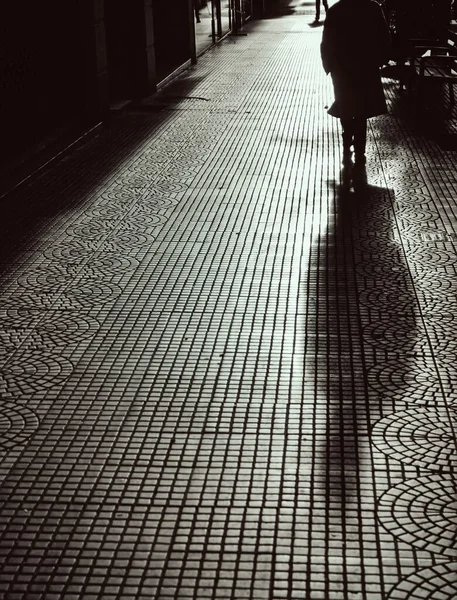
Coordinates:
40 73
173 35
120 25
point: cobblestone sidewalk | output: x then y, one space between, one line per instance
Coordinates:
227 364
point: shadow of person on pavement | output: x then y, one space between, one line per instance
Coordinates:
367 282
364 317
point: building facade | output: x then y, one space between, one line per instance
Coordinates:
64 65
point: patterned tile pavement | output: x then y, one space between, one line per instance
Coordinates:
227 364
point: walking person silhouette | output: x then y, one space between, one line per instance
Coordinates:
355 44
318 9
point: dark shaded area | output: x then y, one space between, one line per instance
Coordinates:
122 26
171 22
25 210
280 8
40 71
172 96
416 19
432 116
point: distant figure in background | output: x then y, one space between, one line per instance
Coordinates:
318 9
197 10
355 44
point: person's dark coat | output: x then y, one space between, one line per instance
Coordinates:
355 44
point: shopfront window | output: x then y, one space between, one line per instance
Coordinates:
203 25
213 20
225 16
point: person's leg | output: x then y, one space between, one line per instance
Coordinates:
318 10
348 135
325 3
360 139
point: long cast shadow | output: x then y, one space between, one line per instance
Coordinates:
362 293
366 281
